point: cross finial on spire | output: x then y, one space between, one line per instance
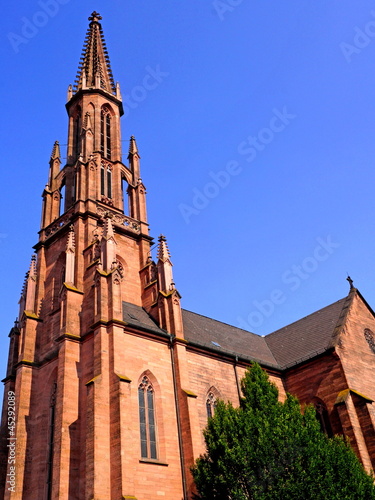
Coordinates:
95 16
349 279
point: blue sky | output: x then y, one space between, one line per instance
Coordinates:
257 144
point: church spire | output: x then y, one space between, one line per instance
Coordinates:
133 148
94 70
163 250
31 286
164 266
55 151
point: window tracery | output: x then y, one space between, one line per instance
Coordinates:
146 400
211 403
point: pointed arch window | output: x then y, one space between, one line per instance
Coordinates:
146 400
105 133
106 181
62 198
211 403
323 418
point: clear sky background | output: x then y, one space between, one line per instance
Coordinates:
294 214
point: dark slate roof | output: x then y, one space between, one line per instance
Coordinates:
136 316
309 336
288 346
207 332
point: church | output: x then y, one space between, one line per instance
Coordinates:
110 382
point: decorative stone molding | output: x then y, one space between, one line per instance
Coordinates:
120 220
58 224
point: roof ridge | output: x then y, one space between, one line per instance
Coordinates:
223 323
307 316
342 318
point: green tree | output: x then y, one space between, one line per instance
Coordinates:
267 450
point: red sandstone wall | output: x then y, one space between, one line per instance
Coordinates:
357 358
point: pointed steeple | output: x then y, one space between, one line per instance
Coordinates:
163 250
94 70
133 148
168 304
54 165
56 151
164 266
31 286
134 163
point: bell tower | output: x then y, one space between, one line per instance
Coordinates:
69 355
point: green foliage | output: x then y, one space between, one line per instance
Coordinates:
268 450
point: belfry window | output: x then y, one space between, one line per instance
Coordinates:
105 133
106 181
146 400
62 199
210 405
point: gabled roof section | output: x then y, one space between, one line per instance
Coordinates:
215 335
137 317
300 341
309 336
94 70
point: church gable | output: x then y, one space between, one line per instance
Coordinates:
355 346
309 336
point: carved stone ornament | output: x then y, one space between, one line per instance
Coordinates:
121 220
55 226
370 337
107 201
117 277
